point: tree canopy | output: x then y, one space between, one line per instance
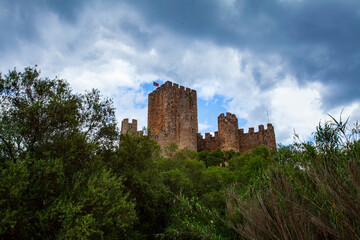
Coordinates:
66 173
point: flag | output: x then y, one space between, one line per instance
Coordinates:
155 84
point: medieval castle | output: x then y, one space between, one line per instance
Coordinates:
172 117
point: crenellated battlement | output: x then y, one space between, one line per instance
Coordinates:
172 86
130 127
127 126
229 117
230 137
209 135
260 129
172 117
126 121
179 87
210 142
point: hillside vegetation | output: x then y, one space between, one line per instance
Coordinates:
65 174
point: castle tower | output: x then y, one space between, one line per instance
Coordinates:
128 127
228 132
269 136
172 115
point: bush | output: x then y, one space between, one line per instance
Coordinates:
318 199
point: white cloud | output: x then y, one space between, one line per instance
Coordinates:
114 50
130 104
203 126
296 109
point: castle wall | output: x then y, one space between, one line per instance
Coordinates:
264 137
128 127
210 143
230 137
172 115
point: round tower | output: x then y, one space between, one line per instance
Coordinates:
228 132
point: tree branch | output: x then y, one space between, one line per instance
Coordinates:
8 146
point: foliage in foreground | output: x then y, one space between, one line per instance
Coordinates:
317 198
308 191
64 174
54 182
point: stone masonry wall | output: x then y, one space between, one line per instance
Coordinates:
210 142
172 115
228 132
230 137
264 137
128 127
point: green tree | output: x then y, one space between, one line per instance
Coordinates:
250 165
54 180
212 158
37 114
135 161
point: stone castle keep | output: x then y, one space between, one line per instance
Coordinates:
172 117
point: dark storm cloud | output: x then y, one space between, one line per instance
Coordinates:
24 18
68 10
16 25
318 40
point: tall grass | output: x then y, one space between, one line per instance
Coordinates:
315 197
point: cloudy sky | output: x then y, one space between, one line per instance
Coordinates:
289 61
